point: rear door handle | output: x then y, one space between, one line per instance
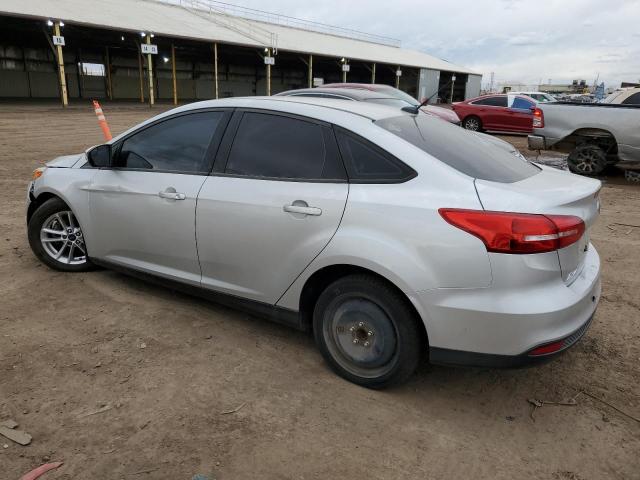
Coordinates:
302 208
171 194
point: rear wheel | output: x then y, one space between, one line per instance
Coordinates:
367 332
56 238
587 159
472 123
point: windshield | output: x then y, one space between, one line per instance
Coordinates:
460 149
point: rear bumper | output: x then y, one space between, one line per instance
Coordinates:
444 356
536 142
522 310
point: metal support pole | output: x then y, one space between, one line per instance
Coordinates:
268 74
141 75
109 86
398 78
63 80
453 82
173 74
150 74
344 75
215 67
373 73
310 70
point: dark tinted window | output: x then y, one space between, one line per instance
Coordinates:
632 100
367 163
178 144
465 151
492 101
283 147
522 104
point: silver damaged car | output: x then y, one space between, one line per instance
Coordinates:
391 236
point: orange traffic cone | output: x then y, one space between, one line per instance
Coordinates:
102 121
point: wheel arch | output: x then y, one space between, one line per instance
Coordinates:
595 135
321 278
39 200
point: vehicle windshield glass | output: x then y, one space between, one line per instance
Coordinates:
401 95
460 149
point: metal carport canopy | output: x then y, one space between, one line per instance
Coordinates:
175 21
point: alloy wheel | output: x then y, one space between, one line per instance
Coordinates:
61 238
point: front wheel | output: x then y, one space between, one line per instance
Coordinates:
472 123
56 238
367 332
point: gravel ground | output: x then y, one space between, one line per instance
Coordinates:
120 379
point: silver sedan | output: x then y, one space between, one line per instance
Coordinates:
391 236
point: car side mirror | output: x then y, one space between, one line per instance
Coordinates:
100 156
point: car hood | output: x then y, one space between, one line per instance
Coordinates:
65 161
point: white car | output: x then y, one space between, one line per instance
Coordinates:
539 97
390 235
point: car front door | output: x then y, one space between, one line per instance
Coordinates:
143 207
520 114
274 201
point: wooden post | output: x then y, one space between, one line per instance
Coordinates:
141 75
173 74
310 70
268 74
215 67
373 73
150 74
109 86
63 80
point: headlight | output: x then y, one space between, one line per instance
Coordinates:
37 173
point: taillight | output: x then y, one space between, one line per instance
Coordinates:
538 118
504 232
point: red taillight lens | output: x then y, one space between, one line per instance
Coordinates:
504 232
547 349
538 118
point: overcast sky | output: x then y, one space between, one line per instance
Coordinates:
519 40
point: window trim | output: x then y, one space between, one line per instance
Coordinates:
222 157
212 148
411 173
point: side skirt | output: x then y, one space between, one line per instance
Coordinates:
274 313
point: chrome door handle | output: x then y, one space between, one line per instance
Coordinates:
172 195
303 209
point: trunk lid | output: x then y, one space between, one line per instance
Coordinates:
549 192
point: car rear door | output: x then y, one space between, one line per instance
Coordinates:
143 208
491 111
273 202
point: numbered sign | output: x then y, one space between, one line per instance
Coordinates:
149 48
58 40
318 81
269 60
398 73
346 68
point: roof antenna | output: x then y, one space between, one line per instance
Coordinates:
415 109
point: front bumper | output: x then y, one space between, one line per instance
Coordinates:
499 325
536 142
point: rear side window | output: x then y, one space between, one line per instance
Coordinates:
521 104
467 152
367 163
178 144
280 147
492 101
632 100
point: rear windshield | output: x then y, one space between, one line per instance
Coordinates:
465 151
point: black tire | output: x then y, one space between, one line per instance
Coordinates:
390 339
587 159
43 214
472 123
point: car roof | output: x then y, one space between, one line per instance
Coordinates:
373 87
352 93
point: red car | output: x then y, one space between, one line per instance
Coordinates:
443 113
502 113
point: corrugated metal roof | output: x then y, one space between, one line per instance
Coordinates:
181 22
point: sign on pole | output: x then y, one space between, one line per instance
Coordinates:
345 67
398 73
58 40
149 48
269 60
317 81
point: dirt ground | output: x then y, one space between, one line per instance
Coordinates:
182 386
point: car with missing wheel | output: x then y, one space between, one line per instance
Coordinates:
595 135
391 236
